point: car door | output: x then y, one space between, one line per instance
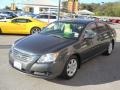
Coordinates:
10 27
89 46
20 25
103 36
16 26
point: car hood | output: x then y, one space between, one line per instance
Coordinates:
42 44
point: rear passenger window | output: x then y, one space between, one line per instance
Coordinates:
108 27
21 20
91 28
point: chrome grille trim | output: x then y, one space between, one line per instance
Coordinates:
22 56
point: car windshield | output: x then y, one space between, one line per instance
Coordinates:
67 30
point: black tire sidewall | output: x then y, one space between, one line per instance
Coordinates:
108 48
31 31
106 53
64 73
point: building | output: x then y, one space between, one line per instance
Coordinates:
13 6
73 6
40 6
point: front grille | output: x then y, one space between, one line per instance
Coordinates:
18 55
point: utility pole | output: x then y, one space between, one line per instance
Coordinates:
59 10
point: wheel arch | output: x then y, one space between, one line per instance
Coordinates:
79 58
0 30
34 27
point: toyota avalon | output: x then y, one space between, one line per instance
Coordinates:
61 47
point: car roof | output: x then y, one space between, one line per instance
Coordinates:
80 21
22 17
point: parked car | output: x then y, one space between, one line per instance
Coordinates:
6 15
62 47
21 25
9 14
29 15
46 17
104 19
4 18
115 20
81 17
26 14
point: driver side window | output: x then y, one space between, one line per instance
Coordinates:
91 26
21 21
90 30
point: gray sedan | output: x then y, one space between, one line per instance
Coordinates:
61 47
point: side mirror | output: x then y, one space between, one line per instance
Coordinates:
89 34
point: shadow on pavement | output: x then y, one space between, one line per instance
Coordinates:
13 35
100 70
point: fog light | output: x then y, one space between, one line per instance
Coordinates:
39 73
42 74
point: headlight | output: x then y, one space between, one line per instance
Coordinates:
48 58
12 46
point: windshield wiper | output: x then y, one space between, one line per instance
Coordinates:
58 36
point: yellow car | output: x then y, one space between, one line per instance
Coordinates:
22 25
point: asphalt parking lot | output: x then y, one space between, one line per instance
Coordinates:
100 73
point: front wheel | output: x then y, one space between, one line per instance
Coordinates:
71 68
35 30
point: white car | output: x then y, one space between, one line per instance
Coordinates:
6 15
46 17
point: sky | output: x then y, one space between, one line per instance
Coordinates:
4 3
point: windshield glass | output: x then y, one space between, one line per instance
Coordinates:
63 30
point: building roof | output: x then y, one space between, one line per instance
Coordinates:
85 12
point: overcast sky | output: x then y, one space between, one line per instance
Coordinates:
4 3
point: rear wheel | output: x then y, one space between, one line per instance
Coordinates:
109 49
71 68
0 31
35 30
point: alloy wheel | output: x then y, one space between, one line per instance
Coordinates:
71 67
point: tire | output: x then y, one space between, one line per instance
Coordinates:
0 31
109 49
35 30
70 68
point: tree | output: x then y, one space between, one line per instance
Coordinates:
7 8
65 6
107 9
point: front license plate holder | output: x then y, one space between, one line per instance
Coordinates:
17 65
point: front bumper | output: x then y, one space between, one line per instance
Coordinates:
47 70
